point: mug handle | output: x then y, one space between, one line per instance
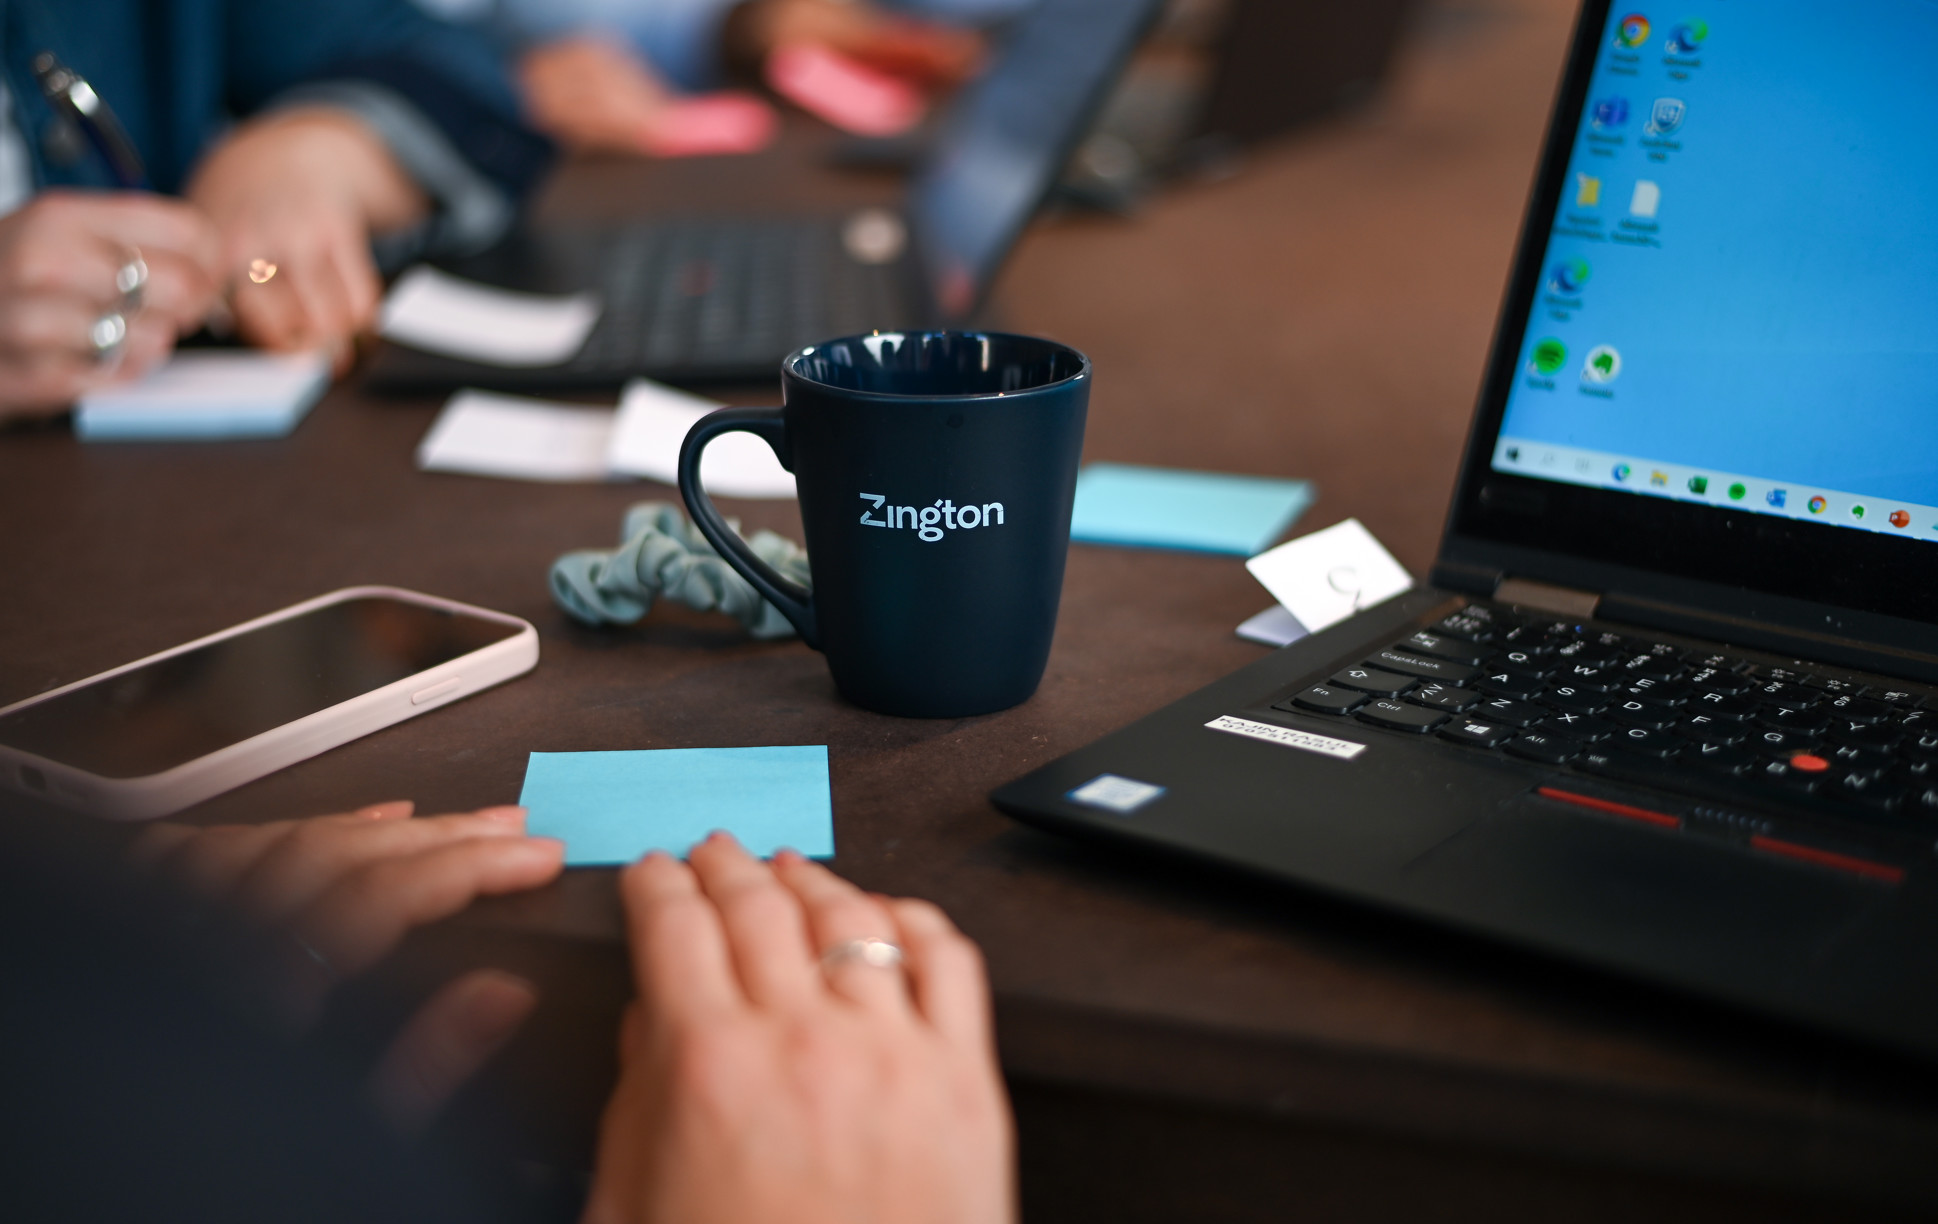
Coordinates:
795 602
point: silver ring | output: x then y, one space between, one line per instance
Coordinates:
107 335
131 278
869 951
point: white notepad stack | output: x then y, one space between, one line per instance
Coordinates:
207 394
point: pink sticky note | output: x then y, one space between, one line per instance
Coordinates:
843 91
716 123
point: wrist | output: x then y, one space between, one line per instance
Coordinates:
323 153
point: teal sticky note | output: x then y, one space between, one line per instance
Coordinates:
611 807
1149 507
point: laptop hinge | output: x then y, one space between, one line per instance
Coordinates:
1566 601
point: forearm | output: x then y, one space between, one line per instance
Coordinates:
340 156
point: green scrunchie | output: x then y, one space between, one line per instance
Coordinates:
663 554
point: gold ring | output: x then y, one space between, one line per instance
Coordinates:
260 270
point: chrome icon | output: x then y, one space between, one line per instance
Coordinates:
1633 32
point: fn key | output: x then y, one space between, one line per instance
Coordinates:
1323 699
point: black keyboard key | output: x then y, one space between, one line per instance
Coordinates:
1371 680
1920 746
1528 641
1656 691
1504 682
1796 718
1858 760
1783 692
1921 803
1647 741
1777 741
1473 624
1609 761
1720 758
1723 706
1634 713
1904 699
1474 733
1506 710
1880 736
1596 676
1444 697
1547 749
1587 654
1653 666
1871 792
1719 680
1575 700
1712 730
1423 666
1583 727
1442 646
1852 709
1538 663
1835 687
1720 662
1323 699
1786 774
1399 716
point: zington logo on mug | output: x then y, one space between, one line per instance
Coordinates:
929 522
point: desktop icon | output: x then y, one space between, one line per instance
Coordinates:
1738 491
1699 485
1666 116
1549 356
1659 480
1857 511
1621 471
1777 497
1900 519
1686 38
1588 191
1646 200
1817 505
1570 275
1603 364
1610 113
1513 454
1633 32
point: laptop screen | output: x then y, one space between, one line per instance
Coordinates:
1007 138
1735 306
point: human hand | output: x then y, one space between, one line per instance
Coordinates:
926 52
346 889
755 1085
59 259
295 197
595 96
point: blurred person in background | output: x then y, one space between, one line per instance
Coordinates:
249 162
622 75
773 1067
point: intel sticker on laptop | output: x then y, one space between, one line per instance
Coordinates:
1114 794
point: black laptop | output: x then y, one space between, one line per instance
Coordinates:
717 297
1670 703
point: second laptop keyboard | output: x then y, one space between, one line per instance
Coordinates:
1623 705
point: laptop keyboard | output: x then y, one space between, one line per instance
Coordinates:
1637 709
708 294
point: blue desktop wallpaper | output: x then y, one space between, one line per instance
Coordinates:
1777 315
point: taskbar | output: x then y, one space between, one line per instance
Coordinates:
1679 482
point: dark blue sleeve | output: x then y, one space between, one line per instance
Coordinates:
451 75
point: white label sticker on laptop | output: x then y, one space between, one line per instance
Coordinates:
1345 750
1115 794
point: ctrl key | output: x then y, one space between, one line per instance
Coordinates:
1399 716
1323 699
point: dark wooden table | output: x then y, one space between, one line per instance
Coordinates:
1181 1045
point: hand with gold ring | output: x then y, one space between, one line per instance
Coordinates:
800 1050
296 196
96 287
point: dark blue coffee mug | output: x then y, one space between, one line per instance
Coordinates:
936 472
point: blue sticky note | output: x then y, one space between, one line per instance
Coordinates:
611 807
1168 508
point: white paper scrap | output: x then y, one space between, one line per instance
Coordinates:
525 439
1325 577
653 422
1272 627
433 310
204 394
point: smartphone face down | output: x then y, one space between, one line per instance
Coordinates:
182 706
